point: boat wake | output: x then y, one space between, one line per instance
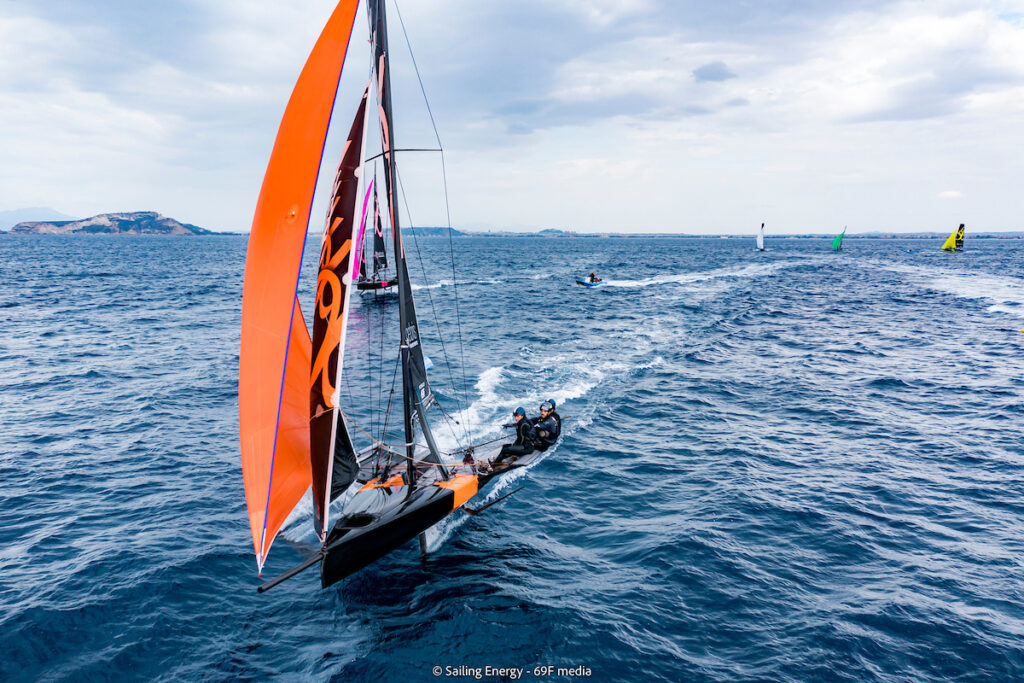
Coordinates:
561 378
442 284
749 271
1005 293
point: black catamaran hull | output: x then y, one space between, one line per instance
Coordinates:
358 539
350 549
374 285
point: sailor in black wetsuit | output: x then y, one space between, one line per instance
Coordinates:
525 438
548 426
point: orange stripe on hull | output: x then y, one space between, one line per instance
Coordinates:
464 486
397 480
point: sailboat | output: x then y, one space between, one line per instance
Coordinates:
372 277
837 243
955 241
296 435
760 239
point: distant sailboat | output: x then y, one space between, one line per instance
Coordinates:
837 243
760 239
375 280
955 242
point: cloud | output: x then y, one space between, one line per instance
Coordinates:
708 109
950 194
713 72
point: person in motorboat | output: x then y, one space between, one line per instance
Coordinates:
594 278
548 427
526 437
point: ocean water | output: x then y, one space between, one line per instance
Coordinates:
792 465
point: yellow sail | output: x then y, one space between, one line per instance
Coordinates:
955 242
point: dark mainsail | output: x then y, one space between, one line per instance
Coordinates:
331 453
416 390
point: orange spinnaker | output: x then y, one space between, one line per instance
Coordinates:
273 369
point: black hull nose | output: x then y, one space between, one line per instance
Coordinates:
355 542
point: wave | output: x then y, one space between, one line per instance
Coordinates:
1005 292
442 284
748 271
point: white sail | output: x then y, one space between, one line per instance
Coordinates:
760 239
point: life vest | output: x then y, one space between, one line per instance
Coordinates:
545 442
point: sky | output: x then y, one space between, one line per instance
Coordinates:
588 115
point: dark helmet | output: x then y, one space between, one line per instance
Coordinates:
520 411
547 406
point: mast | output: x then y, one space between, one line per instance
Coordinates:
416 394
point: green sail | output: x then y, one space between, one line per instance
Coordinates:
837 243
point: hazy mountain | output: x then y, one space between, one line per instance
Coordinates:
128 223
34 213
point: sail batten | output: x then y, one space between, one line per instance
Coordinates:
275 344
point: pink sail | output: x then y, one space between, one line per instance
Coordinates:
358 265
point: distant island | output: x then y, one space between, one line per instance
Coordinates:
434 232
125 223
153 223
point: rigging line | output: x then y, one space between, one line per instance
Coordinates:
371 371
416 68
462 451
407 149
379 369
394 374
391 396
379 372
447 208
455 291
388 447
430 298
380 304
449 421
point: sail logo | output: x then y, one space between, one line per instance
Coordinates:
331 281
330 294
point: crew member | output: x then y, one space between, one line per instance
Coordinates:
525 438
548 426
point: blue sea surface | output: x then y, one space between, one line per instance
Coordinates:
794 465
